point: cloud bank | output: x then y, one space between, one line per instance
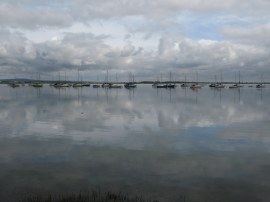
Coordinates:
143 37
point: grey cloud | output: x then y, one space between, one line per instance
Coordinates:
257 35
87 51
27 16
161 8
37 14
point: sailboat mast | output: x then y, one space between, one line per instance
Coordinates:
220 77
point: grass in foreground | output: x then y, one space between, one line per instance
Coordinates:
94 196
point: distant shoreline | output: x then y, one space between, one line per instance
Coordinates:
26 81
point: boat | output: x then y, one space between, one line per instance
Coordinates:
87 84
130 85
115 86
212 85
155 84
170 84
105 85
184 85
96 86
75 85
234 86
56 85
65 85
195 86
161 85
37 85
14 85
260 85
219 85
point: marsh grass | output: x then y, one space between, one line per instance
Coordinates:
94 196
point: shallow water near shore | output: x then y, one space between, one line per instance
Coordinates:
165 144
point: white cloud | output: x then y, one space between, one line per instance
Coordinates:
148 37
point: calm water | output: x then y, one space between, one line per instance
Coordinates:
170 145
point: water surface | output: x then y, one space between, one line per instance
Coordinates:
170 145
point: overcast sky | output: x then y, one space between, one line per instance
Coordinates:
146 38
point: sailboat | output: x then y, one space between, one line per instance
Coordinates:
14 85
184 85
236 85
160 84
96 85
78 84
260 85
171 85
213 85
37 84
106 84
220 85
115 85
195 85
131 83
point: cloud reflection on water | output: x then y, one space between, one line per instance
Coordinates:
163 144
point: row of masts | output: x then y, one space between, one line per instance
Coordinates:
131 82
130 85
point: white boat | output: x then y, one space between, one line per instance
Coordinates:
86 84
105 85
234 86
37 85
161 86
65 85
115 86
75 85
219 85
196 85
131 83
155 84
